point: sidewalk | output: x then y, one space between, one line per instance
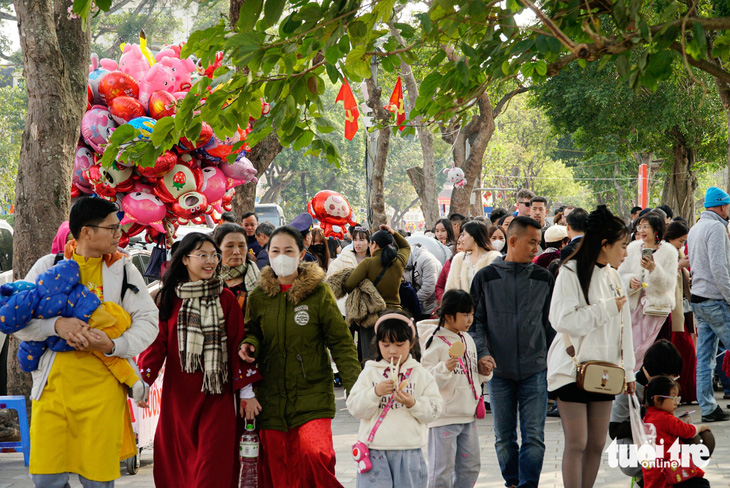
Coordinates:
344 427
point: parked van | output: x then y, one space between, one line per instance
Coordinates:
270 212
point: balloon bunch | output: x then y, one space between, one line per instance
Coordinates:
333 213
185 184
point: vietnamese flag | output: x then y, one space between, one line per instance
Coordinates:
351 112
395 105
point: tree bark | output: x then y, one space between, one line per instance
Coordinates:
377 199
477 133
56 57
425 184
681 182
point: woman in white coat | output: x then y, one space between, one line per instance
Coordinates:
589 312
650 305
478 253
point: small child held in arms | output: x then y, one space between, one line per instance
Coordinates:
394 398
450 355
662 398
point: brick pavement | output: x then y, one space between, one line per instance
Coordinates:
14 475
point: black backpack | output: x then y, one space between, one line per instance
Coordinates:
125 284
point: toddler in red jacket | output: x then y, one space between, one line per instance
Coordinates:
662 398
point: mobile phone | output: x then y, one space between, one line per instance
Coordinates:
647 252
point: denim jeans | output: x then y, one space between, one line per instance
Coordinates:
520 465
713 325
60 480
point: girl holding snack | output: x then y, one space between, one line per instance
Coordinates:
450 355
394 398
662 399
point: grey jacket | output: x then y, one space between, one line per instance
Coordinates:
709 257
422 271
511 317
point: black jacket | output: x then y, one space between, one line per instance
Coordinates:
569 248
511 317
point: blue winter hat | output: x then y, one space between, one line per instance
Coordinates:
715 197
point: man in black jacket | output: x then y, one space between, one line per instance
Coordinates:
512 333
576 227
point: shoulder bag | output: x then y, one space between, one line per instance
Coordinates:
600 376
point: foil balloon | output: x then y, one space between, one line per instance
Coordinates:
159 77
133 62
206 134
242 171
95 74
124 109
162 166
117 84
97 126
145 126
83 161
333 213
107 182
181 188
181 68
144 209
162 104
215 186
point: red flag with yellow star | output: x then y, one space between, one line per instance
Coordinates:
351 112
395 105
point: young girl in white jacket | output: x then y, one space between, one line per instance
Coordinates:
589 310
453 439
394 398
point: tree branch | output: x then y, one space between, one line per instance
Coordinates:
704 65
7 16
500 105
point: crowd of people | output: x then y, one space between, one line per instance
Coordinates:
258 322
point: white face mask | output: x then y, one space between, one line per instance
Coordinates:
284 265
498 245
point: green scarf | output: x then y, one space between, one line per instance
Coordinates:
201 332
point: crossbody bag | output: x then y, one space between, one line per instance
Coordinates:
600 376
360 451
481 410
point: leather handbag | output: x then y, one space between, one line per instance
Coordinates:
600 376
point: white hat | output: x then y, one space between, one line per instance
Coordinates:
556 233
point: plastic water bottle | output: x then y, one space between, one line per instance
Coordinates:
249 449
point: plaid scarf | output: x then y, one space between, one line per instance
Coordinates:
248 270
201 332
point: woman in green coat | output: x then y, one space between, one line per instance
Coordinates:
292 320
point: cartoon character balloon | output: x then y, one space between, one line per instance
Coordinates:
144 209
117 84
107 182
183 70
455 176
333 213
242 171
159 77
181 188
133 62
84 160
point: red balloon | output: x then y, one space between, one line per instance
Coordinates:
124 109
163 166
89 94
206 134
117 84
162 104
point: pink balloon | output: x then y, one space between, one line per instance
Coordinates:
215 184
133 62
97 126
145 209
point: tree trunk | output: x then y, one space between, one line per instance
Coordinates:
56 58
425 182
681 183
262 154
377 199
478 133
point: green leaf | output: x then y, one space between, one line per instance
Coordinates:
272 11
699 36
249 14
311 12
622 65
541 67
355 56
103 5
303 140
358 31
527 69
619 14
463 71
332 72
162 129
425 19
505 67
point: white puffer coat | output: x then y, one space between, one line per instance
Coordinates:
662 281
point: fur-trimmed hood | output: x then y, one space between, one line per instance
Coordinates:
310 275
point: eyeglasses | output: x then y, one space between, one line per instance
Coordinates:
114 228
677 399
206 258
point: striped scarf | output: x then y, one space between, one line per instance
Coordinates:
201 332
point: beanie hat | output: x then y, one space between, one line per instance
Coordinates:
715 197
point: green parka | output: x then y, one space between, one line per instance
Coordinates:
291 332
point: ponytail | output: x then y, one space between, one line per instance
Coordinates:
386 243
